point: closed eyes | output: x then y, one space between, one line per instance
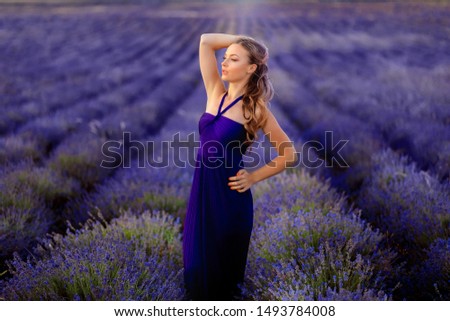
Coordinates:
226 58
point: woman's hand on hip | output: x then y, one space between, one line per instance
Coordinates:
242 181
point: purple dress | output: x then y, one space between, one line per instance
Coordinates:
219 220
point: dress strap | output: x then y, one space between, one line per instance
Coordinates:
229 106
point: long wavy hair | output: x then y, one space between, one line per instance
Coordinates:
259 90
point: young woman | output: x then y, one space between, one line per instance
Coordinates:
219 216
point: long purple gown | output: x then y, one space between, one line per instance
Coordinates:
219 220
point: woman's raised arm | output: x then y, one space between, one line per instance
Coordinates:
209 43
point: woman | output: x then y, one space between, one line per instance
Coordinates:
219 216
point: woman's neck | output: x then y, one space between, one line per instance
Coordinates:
235 90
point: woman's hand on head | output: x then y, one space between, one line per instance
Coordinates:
242 181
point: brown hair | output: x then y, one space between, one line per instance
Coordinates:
259 90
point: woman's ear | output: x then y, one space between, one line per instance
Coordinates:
252 68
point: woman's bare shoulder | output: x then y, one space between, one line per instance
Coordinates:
213 101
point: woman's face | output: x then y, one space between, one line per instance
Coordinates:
235 65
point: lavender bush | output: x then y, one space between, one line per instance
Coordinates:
46 184
136 189
311 256
410 205
21 225
133 258
433 276
293 190
412 208
79 158
321 251
14 148
30 197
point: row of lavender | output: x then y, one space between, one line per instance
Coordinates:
386 95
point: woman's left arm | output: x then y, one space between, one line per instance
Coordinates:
287 155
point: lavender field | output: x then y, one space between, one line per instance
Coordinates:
73 77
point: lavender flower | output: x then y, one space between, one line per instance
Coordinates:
89 264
